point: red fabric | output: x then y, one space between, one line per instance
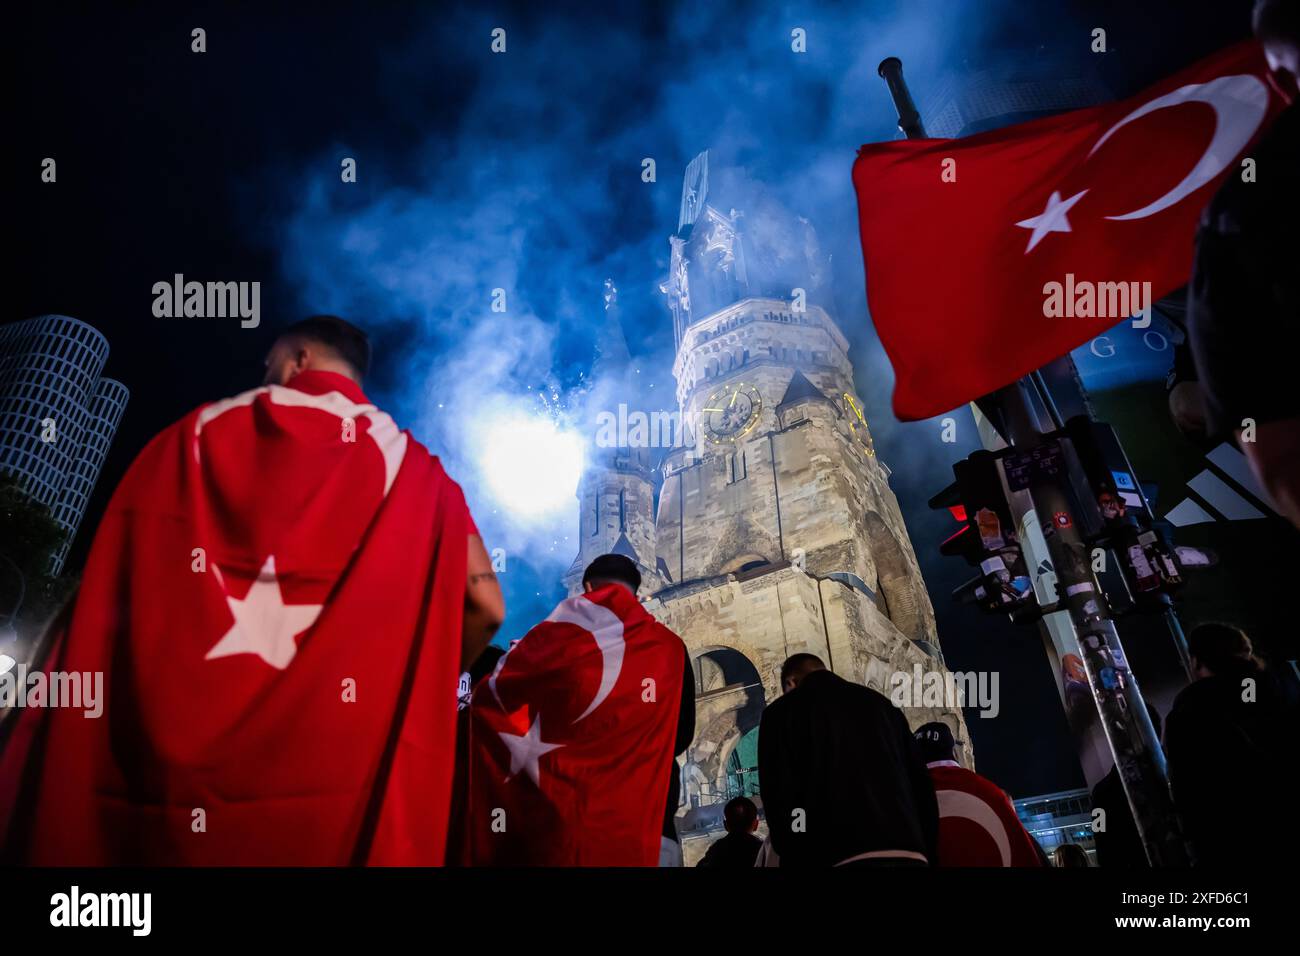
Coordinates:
978 825
285 769
599 796
956 295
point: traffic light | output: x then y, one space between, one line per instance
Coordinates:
987 536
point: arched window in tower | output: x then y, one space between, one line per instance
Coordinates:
595 514
622 511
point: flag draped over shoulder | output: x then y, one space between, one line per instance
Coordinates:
963 239
572 739
274 597
978 825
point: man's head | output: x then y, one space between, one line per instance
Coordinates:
323 343
1277 25
1216 648
936 741
611 569
740 816
796 668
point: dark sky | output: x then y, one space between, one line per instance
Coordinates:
519 171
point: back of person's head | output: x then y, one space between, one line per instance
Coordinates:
323 342
1277 25
936 741
611 569
740 815
1070 855
797 667
1219 648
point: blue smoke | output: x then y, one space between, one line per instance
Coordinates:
522 172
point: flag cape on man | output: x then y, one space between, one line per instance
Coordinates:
274 596
961 238
572 739
978 825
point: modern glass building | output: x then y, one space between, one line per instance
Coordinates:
58 415
1056 818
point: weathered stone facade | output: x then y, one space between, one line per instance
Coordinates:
776 532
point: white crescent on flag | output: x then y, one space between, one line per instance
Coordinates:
388 438
1239 103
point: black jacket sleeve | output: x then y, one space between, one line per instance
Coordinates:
773 788
927 804
686 715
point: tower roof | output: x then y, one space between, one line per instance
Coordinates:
624 547
800 389
612 355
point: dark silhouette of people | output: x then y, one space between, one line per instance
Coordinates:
978 825
1117 843
1230 741
1244 298
843 782
1070 856
739 848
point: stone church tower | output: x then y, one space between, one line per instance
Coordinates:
776 530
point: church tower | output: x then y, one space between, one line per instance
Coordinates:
616 491
777 531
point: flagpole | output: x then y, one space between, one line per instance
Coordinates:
1131 737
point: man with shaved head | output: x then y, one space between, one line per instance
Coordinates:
281 595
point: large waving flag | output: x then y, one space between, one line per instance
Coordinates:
572 739
274 598
969 243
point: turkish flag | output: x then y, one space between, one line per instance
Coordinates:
978 825
571 739
963 239
274 599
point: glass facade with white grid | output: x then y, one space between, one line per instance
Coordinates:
57 414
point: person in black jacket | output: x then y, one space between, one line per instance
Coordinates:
842 780
739 848
1230 740
1244 301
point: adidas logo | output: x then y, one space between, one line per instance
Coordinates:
1216 499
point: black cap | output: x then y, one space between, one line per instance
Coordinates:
936 741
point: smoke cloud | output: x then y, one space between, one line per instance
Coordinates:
523 173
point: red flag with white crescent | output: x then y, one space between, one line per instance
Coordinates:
978 825
274 599
988 256
572 739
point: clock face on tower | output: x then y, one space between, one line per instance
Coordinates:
730 413
858 425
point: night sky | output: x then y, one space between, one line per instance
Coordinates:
520 171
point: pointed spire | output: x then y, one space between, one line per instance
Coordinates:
611 345
800 389
624 547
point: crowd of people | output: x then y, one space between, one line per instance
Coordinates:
528 775
285 587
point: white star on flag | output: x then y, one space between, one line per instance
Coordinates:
1051 219
526 750
264 625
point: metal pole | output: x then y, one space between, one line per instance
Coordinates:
1124 717
909 117
1125 721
